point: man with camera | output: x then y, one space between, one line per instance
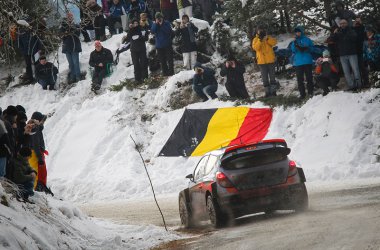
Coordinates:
163 32
346 40
303 61
235 78
204 82
263 45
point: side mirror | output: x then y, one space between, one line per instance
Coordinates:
190 176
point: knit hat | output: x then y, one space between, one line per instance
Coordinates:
21 116
20 108
370 28
326 53
159 15
38 116
42 57
11 111
231 57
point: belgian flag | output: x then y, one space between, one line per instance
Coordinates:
202 130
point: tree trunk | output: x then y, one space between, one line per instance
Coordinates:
328 10
282 20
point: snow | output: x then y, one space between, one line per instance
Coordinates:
54 224
93 159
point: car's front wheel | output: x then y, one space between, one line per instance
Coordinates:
185 214
214 213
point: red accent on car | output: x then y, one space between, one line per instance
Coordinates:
222 180
253 144
292 168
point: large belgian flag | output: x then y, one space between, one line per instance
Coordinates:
202 130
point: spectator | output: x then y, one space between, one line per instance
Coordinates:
71 46
235 78
99 59
187 31
163 32
361 37
207 8
342 13
326 73
23 174
346 40
169 9
185 7
145 22
46 73
303 61
117 9
22 138
137 38
9 119
86 19
4 147
99 23
204 82
372 49
263 45
135 8
37 145
29 45
154 6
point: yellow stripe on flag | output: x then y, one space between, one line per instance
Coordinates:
223 127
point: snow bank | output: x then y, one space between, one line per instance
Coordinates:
55 224
92 157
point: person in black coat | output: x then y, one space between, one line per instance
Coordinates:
9 119
187 31
204 82
99 59
235 80
23 174
4 147
346 40
71 46
28 44
46 73
361 37
137 38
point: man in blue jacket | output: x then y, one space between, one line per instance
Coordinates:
301 48
163 31
71 46
117 9
204 81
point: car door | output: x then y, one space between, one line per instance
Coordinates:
206 181
198 202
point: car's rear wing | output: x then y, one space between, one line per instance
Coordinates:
279 144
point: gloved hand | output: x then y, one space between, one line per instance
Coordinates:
46 152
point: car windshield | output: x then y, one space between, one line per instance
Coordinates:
253 159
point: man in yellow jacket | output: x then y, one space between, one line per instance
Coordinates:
263 45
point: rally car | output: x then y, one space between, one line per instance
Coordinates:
240 180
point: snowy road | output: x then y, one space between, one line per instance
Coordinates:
345 218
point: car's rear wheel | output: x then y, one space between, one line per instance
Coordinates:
302 200
214 213
185 214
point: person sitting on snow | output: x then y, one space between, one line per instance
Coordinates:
204 82
23 174
326 73
99 59
46 73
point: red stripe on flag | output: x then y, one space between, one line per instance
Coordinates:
254 127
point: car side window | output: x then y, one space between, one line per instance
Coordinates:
199 171
212 160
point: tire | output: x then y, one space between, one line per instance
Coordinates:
214 213
185 214
302 200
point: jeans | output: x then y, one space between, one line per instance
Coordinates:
28 63
209 89
269 81
351 63
48 82
73 59
165 55
301 71
3 165
99 74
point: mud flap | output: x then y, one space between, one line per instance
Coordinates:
301 174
